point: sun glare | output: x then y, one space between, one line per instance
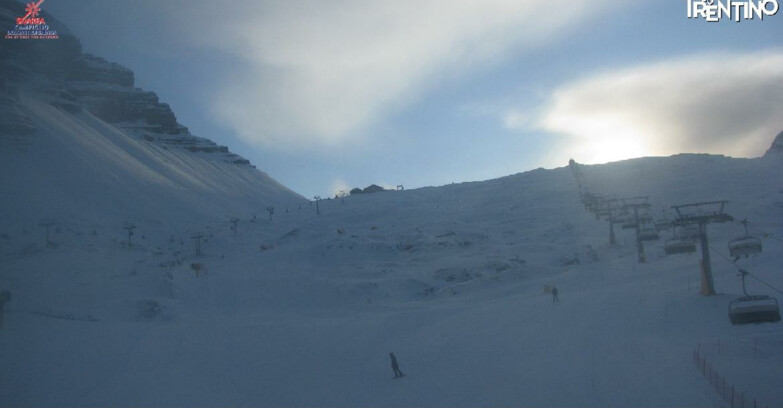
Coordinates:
614 148
603 138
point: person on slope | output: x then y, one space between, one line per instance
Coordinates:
554 294
395 366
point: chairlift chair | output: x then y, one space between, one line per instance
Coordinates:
679 243
676 245
690 231
629 223
753 308
648 234
744 246
663 224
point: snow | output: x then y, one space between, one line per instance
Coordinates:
303 310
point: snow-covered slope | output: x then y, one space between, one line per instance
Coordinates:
303 310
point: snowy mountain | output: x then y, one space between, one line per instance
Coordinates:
131 287
777 146
82 141
303 309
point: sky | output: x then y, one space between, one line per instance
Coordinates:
330 95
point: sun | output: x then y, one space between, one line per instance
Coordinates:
607 138
604 149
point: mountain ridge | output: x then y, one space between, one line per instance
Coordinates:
83 141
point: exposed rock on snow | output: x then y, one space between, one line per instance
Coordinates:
373 189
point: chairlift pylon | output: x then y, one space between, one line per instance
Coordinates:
753 308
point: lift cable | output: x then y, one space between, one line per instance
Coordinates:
743 270
765 234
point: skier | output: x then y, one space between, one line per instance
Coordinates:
554 294
395 366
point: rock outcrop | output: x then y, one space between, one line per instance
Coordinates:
67 78
776 149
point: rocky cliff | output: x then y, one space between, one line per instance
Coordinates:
776 149
60 72
79 140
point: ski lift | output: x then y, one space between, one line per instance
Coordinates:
690 232
664 223
629 223
679 244
676 245
645 218
648 234
753 308
744 246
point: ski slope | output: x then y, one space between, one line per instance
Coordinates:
78 166
303 309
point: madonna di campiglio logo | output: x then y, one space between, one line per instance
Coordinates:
31 26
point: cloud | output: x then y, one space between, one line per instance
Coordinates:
713 103
321 72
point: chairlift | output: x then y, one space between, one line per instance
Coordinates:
690 232
663 224
645 218
753 308
648 234
676 245
745 245
679 244
629 223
